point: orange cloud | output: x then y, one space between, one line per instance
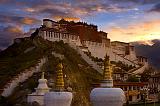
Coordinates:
29 9
29 21
15 29
146 42
66 18
136 32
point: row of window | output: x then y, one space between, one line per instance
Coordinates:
131 88
60 35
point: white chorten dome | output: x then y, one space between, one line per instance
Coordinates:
107 97
58 97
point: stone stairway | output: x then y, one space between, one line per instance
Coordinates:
138 70
87 59
141 69
123 59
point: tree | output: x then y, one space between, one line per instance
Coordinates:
132 79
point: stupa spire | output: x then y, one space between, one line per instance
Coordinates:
42 76
59 97
107 81
107 74
106 94
59 78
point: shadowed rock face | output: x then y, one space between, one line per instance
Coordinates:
151 52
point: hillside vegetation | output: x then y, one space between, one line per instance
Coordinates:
78 74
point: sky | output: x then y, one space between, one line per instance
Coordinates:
123 20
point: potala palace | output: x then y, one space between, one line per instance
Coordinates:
87 38
96 54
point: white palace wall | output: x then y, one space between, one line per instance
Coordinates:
10 86
116 52
57 36
117 58
96 49
100 50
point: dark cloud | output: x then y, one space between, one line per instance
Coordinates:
76 8
156 8
137 1
27 12
55 12
151 52
6 19
7 34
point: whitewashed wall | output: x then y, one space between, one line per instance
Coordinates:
96 49
67 38
10 86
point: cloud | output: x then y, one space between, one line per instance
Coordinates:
146 42
66 18
155 8
7 34
136 32
11 19
136 1
76 8
29 9
13 30
29 21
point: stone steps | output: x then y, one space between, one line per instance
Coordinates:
87 59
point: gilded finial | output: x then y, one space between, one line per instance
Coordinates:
59 78
107 74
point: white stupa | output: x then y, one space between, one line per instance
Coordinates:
42 88
59 97
106 95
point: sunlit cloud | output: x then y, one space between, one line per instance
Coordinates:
136 32
14 30
29 21
66 18
29 9
146 42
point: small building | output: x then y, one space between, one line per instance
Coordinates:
120 75
133 90
154 83
142 60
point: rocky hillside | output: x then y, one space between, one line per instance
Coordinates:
26 51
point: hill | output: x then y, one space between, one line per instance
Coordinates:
151 52
26 51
